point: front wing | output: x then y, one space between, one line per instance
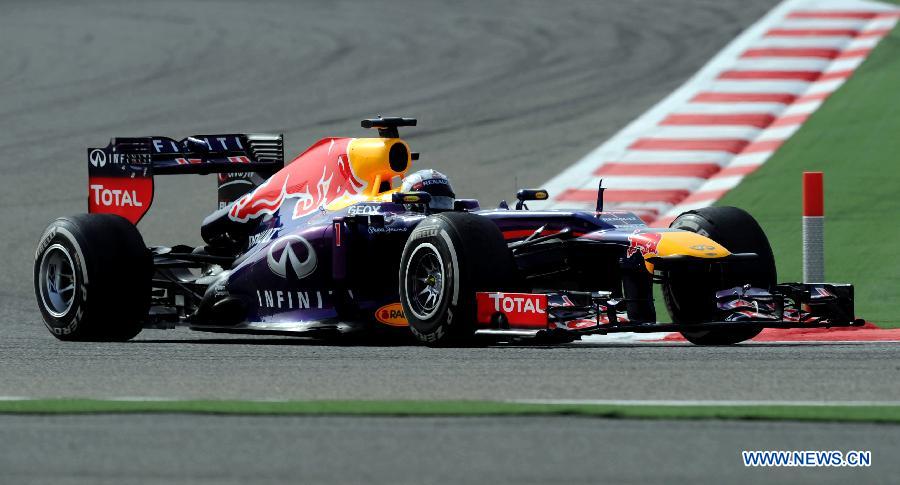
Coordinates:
789 305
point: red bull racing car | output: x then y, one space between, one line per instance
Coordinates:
346 240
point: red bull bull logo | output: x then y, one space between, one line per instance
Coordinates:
317 177
645 243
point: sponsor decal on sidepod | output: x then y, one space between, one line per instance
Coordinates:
363 210
291 300
288 246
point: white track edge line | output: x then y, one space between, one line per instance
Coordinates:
699 403
615 402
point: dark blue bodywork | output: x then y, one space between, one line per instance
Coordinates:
352 270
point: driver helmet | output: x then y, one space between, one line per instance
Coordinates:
435 184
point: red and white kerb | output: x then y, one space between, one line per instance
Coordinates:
727 121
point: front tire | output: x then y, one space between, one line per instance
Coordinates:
690 295
447 259
92 277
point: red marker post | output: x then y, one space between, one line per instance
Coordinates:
813 228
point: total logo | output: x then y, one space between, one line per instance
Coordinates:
114 197
517 303
392 314
283 253
519 309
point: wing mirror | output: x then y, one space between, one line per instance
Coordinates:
530 194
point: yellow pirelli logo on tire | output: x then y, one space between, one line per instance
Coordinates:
392 314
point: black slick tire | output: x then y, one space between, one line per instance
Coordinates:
690 295
92 278
459 254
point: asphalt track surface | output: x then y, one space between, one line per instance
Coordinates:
504 91
215 449
189 365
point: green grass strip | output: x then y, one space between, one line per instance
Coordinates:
854 137
839 413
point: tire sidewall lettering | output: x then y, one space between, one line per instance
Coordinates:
69 322
433 232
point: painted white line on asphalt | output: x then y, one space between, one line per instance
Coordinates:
675 402
753 159
802 108
826 86
672 156
608 402
722 183
133 399
759 86
826 42
845 64
689 132
700 107
782 64
822 24
778 133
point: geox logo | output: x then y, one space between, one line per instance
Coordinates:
288 245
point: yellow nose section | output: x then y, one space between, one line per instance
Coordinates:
685 243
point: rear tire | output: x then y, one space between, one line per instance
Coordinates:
690 297
92 278
447 258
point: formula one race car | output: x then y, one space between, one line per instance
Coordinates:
333 243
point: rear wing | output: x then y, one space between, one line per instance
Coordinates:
120 175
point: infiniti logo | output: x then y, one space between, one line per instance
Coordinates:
286 245
97 157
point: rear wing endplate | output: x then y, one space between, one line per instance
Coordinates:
120 175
